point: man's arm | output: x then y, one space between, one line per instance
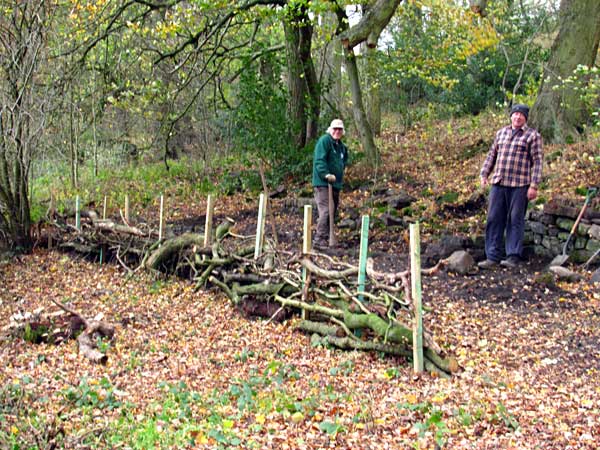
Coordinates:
537 159
488 164
321 150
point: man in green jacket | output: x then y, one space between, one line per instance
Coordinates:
329 162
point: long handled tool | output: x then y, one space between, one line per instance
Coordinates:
559 260
332 238
589 261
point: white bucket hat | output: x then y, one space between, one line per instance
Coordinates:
336 123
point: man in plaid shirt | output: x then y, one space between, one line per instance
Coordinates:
516 160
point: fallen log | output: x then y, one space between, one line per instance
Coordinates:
166 255
88 339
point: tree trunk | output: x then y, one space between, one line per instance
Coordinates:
368 29
313 89
296 85
370 26
559 113
331 78
360 116
373 92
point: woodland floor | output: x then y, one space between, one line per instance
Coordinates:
188 370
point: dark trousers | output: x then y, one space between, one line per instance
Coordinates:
322 199
506 212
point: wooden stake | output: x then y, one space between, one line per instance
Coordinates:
307 237
50 217
161 219
415 278
263 179
210 208
104 209
362 256
77 214
306 247
260 226
127 209
332 237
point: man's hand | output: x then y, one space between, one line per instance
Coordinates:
330 178
532 193
484 182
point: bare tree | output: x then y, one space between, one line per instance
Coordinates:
22 117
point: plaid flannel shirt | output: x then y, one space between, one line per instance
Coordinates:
516 158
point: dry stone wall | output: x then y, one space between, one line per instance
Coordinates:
547 230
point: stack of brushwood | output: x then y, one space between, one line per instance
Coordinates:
321 290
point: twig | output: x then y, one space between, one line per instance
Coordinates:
129 270
273 316
345 328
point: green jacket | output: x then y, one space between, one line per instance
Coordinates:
330 156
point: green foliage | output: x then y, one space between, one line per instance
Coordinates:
392 372
92 394
262 130
143 183
440 53
331 428
585 81
22 427
431 420
34 335
346 368
244 355
448 197
507 418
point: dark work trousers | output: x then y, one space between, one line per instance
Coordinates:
506 211
322 199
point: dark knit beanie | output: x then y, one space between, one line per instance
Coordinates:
523 109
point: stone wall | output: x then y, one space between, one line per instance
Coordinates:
547 230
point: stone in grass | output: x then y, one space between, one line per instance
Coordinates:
460 262
596 276
562 273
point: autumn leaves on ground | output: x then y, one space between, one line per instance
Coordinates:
187 370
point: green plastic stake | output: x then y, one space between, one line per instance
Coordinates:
362 256
77 214
415 281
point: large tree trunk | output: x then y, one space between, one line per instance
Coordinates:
296 84
304 106
559 113
310 76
